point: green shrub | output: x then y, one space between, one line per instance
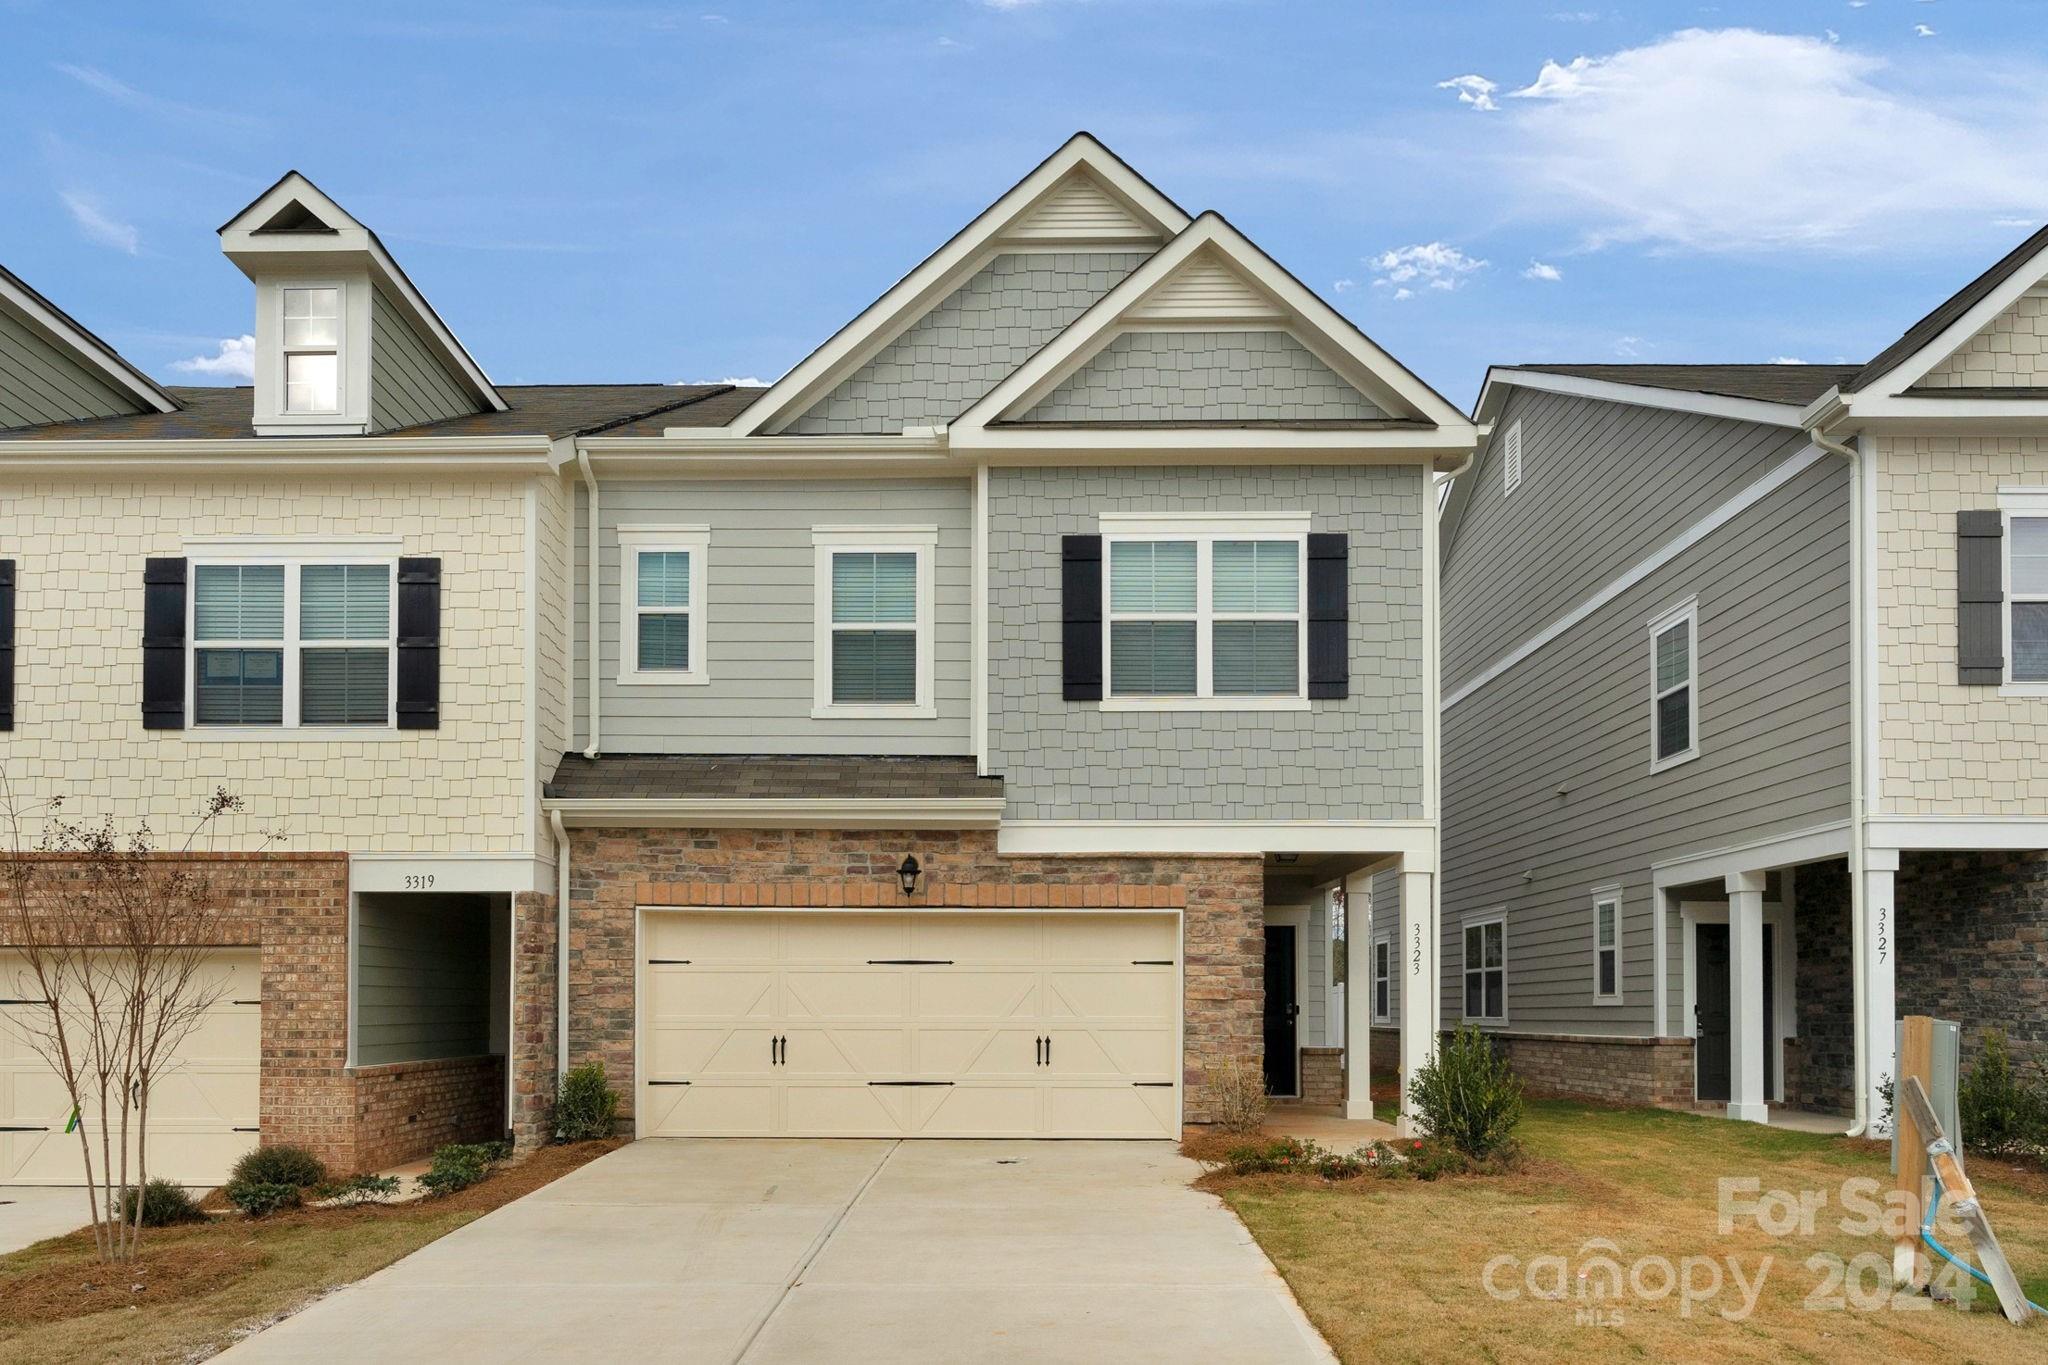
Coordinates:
260 1197
1276 1154
1469 1097
163 1203
459 1165
279 1165
2004 1111
359 1189
586 1106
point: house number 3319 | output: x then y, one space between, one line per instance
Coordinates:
419 881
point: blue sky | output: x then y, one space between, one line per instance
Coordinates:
702 191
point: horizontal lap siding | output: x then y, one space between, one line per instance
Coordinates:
422 978
1603 485
42 382
1386 924
408 386
1773 590
761 614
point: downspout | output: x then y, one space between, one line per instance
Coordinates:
590 482
561 945
1858 578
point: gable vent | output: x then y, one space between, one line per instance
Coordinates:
1511 459
1205 288
295 217
1079 209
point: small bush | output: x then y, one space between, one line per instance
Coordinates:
459 1165
1238 1091
163 1204
1469 1097
279 1165
1278 1154
359 1189
586 1106
258 1198
2003 1110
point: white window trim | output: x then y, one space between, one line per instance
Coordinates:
2023 503
1511 460
1205 531
339 350
1687 611
1607 895
1465 969
293 555
1383 940
922 541
634 541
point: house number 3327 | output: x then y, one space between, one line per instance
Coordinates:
419 881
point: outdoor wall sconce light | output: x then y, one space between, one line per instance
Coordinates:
908 874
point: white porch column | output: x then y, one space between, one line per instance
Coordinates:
1420 983
1746 997
1358 996
1879 977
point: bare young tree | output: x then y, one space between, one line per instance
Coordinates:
116 938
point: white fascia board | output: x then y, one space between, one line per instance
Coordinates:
1914 367
1638 395
1928 413
967 812
1332 335
102 357
2004 832
1399 445
1818 844
878 323
1412 840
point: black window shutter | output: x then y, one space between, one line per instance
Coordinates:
1329 615
1081 618
163 644
419 644
1980 599
6 644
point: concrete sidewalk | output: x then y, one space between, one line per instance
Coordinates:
772 1251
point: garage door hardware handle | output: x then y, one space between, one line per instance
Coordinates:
668 1082
910 962
250 1129
24 1128
245 1002
1038 1046
909 1082
1151 962
1164 1085
668 962
24 1002
778 1050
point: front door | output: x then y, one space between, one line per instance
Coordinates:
1282 1008
1711 1016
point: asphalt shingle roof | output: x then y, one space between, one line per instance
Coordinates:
1946 313
741 777
1794 384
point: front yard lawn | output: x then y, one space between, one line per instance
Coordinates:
197 1288
1396 1270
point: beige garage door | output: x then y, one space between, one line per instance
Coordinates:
932 1024
202 1110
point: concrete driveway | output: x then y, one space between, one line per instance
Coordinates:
29 1213
769 1251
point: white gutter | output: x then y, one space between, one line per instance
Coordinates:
951 812
561 945
590 482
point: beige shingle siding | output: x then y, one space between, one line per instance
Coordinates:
408 385
552 644
80 544
2011 353
1358 758
1947 749
42 382
969 342
1248 376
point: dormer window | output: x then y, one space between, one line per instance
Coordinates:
312 349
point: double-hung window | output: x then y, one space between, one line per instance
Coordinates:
311 333
292 644
874 622
2027 598
1486 969
663 577
1382 980
1206 612
1674 686
1607 948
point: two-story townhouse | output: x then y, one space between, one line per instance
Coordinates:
975 731
1740 701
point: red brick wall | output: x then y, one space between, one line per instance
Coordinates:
407 1109
615 870
1322 1076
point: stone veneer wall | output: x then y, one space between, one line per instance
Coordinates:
534 974
1322 1076
1973 945
1652 1071
1820 1063
613 871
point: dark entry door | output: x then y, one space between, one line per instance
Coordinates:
1710 1012
1282 1008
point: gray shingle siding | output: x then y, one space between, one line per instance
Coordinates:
1203 376
1603 484
968 343
760 580
1358 758
408 386
42 382
1548 791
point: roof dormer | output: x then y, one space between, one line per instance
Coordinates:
345 345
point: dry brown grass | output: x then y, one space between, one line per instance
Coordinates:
203 1282
1391 1270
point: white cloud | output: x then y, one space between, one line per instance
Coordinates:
1344 286
1922 31
1575 16
94 223
1434 265
737 381
1833 36
1786 360
119 91
1476 91
236 360
1542 270
1628 346
1736 140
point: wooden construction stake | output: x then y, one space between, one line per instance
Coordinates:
1962 1197
1916 1062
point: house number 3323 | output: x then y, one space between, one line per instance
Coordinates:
419 881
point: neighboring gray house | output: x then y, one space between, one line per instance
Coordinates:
1743 687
